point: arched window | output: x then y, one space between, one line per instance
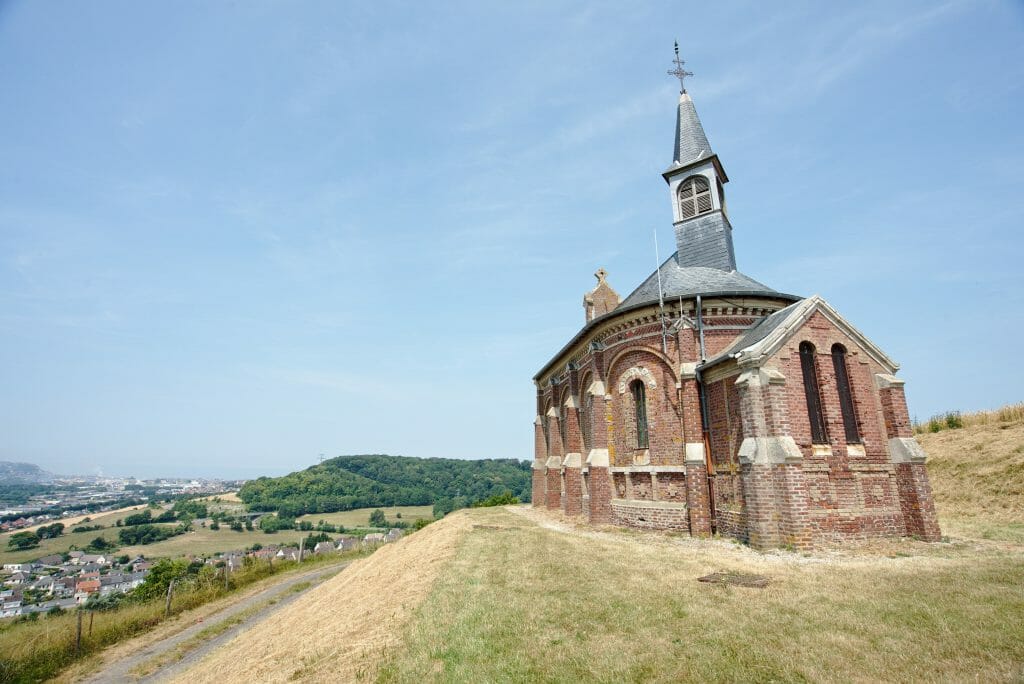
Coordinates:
810 372
694 196
845 396
639 392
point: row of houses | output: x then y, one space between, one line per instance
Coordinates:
235 559
65 581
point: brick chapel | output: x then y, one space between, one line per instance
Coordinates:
708 402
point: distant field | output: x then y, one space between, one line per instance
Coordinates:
360 517
58 545
95 519
205 542
228 497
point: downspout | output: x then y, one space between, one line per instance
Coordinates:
705 429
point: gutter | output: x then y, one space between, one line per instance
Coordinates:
589 327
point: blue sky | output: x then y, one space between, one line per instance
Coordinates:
234 236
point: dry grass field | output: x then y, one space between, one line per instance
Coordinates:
977 475
518 595
531 598
337 631
205 542
360 517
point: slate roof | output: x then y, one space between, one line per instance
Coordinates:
689 281
757 333
763 339
691 142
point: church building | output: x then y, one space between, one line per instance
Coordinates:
708 402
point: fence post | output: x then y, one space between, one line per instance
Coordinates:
92 614
302 545
78 634
227 567
170 593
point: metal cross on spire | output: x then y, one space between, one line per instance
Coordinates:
679 72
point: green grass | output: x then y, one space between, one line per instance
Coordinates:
360 517
524 604
57 545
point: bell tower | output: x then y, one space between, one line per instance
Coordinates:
695 183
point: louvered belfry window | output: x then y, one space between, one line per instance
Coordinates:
810 373
694 196
640 412
845 396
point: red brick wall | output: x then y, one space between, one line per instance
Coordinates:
600 488
651 516
663 412
554 488
917 503
573 492
697 499
539 488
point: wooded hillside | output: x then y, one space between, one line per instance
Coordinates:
348 482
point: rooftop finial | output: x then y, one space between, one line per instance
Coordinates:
679 72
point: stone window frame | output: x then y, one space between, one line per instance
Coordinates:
694 197
626 379
812 392
638 390
586 416
844 390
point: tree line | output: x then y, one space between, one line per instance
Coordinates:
369 481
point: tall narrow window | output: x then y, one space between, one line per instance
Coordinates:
562 423
585 418
810 372
546 424
694 196
640 412
845 396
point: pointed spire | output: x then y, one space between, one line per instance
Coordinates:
691 143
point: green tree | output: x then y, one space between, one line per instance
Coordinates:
20 541
503 499
160 576
377 519
50 531
99 544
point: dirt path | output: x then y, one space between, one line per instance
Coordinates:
166 656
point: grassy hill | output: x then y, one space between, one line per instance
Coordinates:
977 476
520 595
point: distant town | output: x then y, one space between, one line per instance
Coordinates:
31 496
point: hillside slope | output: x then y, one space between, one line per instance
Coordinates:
977 476
337 631
15 472
518 594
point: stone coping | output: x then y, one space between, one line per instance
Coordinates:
646 503
649 469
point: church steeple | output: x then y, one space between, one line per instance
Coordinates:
691 143
695 180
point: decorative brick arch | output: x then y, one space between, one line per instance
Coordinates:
636 373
